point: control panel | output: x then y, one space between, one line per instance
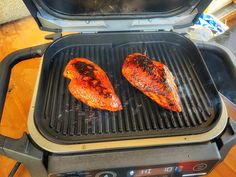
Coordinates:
173 170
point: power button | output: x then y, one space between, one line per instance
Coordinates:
106 174
200 167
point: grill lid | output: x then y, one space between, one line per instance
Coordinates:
115 15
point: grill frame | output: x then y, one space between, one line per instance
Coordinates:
97 38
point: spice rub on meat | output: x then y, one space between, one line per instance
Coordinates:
90 84
152 78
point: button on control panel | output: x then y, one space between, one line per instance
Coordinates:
106 174
200 167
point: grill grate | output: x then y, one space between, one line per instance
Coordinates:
69 121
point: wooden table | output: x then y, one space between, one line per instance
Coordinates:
25 33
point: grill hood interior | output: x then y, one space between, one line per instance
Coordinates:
118 15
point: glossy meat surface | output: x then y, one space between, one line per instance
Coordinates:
152 78
90 84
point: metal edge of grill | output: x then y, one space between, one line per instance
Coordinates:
44 143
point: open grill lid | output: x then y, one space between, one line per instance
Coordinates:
115 15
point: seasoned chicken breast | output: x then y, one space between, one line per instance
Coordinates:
152 78
90 84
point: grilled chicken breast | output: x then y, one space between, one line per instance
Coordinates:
90 84
152 78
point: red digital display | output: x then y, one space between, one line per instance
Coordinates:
154 171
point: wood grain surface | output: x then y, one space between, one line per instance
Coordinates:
25 33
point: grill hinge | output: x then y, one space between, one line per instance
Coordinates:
158 30
88 32
53 36
152 25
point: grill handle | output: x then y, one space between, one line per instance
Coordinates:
21 150
228 138
9 62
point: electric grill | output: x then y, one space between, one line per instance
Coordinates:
68 138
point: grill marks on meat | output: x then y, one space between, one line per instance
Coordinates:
152 78
87 71
90 84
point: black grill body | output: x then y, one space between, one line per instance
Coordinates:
63 119
189 159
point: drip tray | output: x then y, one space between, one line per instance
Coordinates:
62 119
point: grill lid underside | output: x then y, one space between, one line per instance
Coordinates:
62 119
118 15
